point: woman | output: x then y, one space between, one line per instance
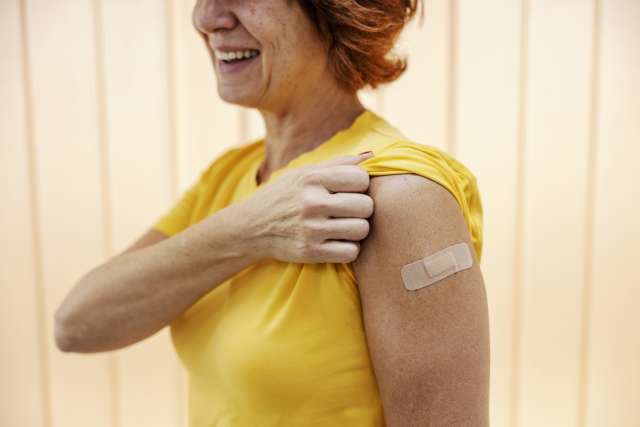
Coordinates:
278 271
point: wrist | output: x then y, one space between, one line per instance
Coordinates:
251 231
218 238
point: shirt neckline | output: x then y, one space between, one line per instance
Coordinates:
360 122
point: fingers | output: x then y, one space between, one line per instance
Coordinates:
338 251
337 178
341 173
353 229
348 205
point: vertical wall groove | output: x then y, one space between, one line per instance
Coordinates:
452 77
172 108
603 365
590 213
44 366
519 220
105 181
172 98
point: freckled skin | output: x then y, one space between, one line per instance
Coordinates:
292 57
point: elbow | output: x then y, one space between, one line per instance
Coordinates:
76 333
68 330
72 334
61 333
70 322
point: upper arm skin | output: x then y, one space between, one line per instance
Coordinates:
429 347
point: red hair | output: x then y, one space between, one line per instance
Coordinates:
359 35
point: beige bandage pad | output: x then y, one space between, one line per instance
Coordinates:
436 267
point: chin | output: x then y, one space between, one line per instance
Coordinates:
230 95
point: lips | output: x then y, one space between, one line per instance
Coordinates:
226 58
235 66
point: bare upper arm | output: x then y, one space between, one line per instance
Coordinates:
429 347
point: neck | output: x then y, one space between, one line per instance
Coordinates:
303 127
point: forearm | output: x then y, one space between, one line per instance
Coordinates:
132 296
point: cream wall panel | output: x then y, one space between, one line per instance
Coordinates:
418 102
373 99
487 128
613 353
558 82
68 200
206 126
24 395
108 100
139 140
254 124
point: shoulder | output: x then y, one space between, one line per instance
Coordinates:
426 160
405 173
410 189
234 156
239 151
413 215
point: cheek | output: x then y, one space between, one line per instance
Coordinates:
288 47
290 67
295 57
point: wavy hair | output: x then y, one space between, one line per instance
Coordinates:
360 34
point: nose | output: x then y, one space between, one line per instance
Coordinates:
210 16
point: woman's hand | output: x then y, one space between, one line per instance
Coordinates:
312 214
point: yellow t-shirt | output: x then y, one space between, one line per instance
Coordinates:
282 344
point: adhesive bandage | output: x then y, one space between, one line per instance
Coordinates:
436 267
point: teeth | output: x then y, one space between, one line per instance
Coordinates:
230 56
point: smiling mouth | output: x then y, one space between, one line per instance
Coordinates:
233 57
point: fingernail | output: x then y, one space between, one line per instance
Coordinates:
364 153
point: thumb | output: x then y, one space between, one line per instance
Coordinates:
347 160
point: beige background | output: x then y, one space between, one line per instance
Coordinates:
109 110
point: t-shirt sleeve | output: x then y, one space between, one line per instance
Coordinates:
178 217
184 212
437 165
